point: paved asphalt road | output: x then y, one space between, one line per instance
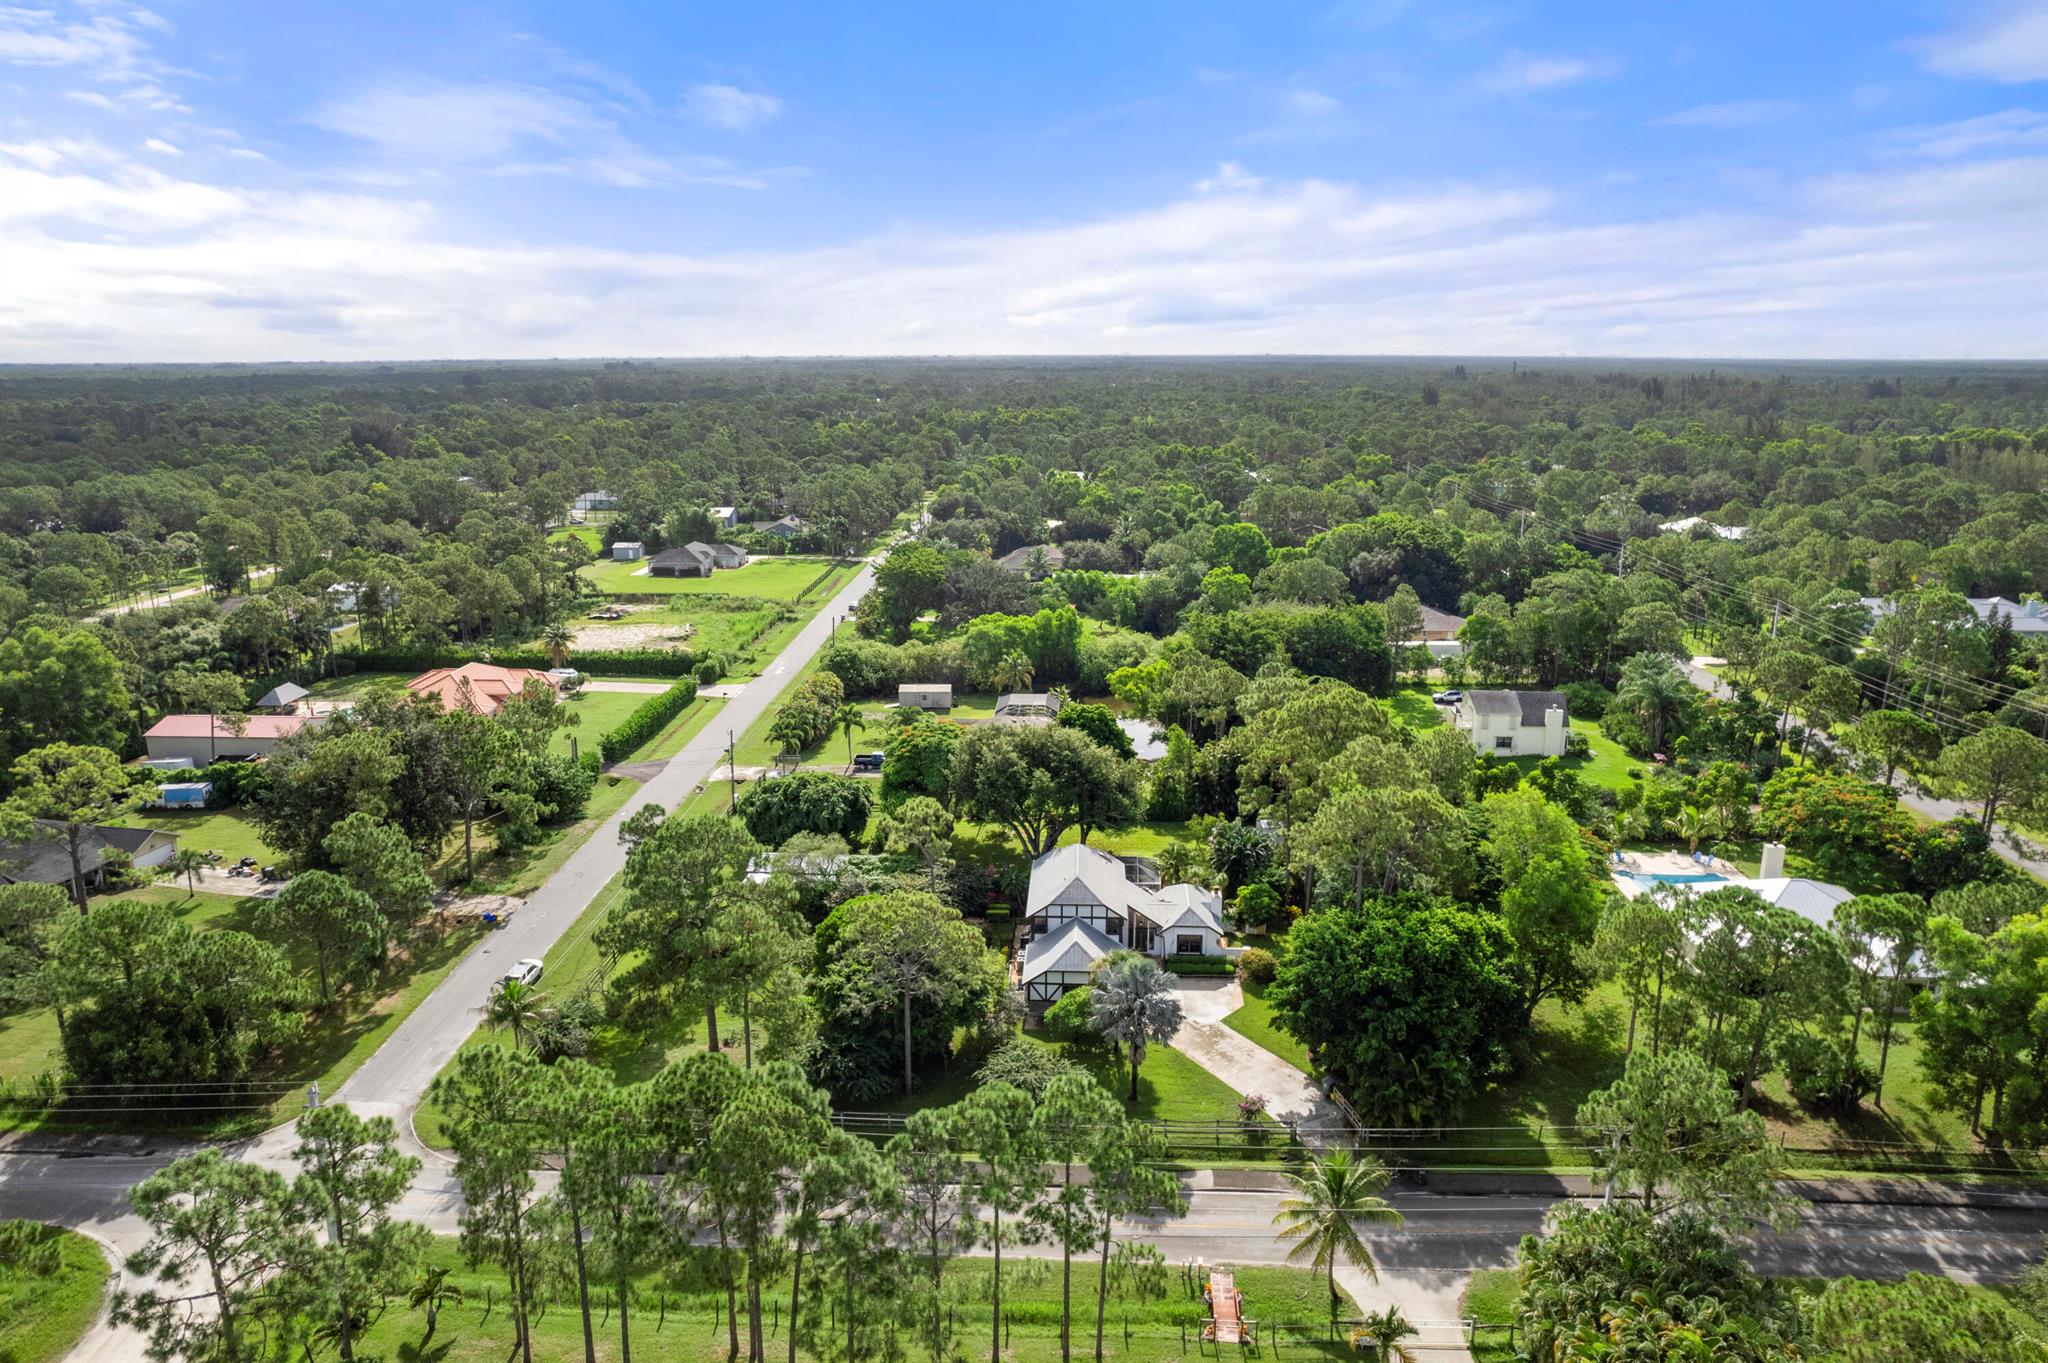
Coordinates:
1444 1236
394 1079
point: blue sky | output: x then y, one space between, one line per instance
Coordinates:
198 181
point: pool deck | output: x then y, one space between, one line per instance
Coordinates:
1668 867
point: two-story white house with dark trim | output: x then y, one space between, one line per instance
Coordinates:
1083 904
1514 723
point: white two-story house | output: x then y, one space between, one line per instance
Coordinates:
1084 904
1514 723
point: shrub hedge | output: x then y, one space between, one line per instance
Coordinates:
1201 965
595 662
648 720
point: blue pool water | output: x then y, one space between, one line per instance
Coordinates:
1676 878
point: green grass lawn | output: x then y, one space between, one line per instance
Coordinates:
1254 1022
735 627
230 832
597 714
1575 1051
41 1318
360 685
1490 1300
1605 764
676 1315
1410 706
1171 1087
773 579
680 730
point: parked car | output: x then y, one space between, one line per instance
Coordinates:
1448 697
867 761
523 972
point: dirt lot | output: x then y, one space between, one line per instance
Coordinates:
627 633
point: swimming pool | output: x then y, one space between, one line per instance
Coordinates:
1676 878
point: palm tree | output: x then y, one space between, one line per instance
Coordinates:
1182 861
517 1005
847 718
1134 1002
1384 1331
1330 1196
1013 672
431 1291
1655 694
555 641
187 862
1694 823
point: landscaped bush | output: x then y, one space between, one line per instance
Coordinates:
644 723
563 786
711 669
597 662
1025 1064
865 667
1070 1020
807 717
806 802
1201 965
1586 699
1822 1074
1257 966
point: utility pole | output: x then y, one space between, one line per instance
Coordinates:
732 775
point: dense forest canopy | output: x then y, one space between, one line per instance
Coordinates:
1476 483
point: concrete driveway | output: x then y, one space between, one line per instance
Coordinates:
1291 1097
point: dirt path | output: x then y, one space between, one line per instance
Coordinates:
170 598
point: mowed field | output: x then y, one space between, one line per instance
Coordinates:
771 579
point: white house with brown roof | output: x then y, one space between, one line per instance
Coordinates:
1083 904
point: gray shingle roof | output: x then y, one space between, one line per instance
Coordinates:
1432 618
46 859
1073 945
1527 705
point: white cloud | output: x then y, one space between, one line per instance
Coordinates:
247 154
93 99
2011 130
2004 42
37 37
728 106
161 147
506 129
1745 113
1230 178
102 257
1307 103
1522 74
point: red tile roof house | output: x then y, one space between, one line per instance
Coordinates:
481 687
200 739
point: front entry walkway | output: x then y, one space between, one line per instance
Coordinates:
1291 1096
1429 1300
